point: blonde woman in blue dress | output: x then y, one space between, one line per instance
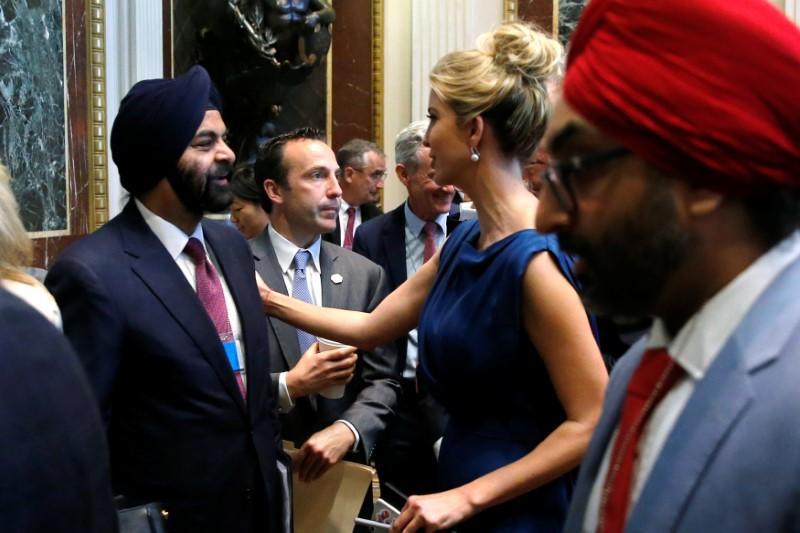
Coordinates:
505 343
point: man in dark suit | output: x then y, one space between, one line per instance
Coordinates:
362 170
400 241
164 313
54 474
297 172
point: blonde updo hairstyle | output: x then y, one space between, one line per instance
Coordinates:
504 80
15 245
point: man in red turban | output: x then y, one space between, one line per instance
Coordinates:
676 180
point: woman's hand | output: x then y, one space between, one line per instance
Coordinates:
434 512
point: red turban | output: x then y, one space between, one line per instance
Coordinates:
706 89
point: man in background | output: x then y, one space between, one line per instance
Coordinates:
675 181
362 171
162 308
401 241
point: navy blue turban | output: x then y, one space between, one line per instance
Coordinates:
156 122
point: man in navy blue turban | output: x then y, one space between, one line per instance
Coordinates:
162 308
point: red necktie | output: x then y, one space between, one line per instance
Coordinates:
211 295
430 241
348 232
656 374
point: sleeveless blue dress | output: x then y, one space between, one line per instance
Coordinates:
477 360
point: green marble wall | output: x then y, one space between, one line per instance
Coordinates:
569 12
32 103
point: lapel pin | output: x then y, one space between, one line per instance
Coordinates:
337 278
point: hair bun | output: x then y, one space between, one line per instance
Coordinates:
520 48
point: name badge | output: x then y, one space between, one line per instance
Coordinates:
232 355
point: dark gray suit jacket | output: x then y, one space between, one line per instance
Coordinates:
369 399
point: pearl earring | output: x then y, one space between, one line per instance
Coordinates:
474 154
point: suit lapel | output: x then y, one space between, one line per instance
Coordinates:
717 403
268 267
333 294
612 406
156 268
394 244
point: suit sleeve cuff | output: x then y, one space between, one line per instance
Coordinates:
284 398
355 433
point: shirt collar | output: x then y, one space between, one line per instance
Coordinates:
285 250
700 340
171 236
415 224
344 206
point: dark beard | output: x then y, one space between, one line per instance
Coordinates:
201 195
629 265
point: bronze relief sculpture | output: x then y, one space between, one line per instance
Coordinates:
264 56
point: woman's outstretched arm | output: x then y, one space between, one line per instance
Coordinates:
395 316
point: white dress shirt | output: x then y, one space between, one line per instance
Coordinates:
694 348
415 251
174 240
343 207
285 250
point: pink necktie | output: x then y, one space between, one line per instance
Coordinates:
651 381
430 241
211 295
348 232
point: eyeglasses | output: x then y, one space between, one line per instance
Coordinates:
558 175
378 175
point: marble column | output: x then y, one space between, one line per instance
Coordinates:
32 104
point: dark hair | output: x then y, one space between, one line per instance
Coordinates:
352 153
243 185
269 161
774 214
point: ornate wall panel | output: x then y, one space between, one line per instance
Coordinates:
52 117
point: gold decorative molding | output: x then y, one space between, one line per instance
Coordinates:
377 78
97 127
511 10
377 71
555 19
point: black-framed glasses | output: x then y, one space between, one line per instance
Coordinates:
375 176
558 174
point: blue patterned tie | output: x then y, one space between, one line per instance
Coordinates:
301 291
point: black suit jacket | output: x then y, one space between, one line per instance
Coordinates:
54 474
370 398
383 241
179 431
368 212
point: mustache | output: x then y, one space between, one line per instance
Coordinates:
220 170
